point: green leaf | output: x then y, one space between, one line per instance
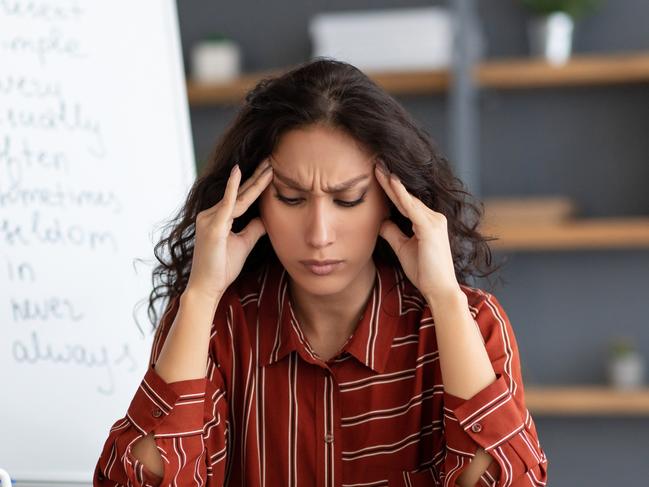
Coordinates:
574 8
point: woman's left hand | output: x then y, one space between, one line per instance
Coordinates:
425 257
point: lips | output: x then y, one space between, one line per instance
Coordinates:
322 269
320 262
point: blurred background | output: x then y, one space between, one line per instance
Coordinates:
542 107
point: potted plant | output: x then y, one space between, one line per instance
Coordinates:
551 27
215 58
626 367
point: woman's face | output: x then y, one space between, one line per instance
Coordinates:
308 218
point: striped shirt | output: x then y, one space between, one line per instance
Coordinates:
270 412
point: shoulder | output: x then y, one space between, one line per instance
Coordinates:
477 298
489 314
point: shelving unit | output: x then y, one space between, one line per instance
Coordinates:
578 234
583 400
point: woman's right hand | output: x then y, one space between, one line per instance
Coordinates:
219 253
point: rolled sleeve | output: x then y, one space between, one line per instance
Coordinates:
171 409
495 418
487 419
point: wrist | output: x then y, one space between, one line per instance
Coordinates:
452 297
200 297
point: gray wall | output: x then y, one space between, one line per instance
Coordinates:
588 142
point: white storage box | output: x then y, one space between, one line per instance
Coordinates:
385 40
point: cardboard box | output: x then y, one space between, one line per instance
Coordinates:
385 40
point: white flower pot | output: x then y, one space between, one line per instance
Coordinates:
215 61
551 37
627 371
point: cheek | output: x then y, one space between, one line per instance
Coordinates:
362 225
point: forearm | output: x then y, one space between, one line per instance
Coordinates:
464 362
184 352
183 356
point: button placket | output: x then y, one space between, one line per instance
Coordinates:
329 427
328 437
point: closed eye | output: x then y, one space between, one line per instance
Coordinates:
296 201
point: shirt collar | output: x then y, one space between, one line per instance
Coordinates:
371 341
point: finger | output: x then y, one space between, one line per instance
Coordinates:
415 211
223 201
383 178
384 181
259 170
246 199
230 196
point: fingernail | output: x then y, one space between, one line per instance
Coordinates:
381 165
234 169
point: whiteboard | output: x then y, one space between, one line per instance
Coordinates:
95 153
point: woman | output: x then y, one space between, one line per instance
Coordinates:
298 347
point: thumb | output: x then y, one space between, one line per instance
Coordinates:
254 230
394 236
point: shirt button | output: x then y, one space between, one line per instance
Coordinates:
476 428
157 412
329 438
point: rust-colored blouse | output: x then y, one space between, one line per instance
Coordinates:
270 412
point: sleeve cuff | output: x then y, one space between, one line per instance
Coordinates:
487 419
168 409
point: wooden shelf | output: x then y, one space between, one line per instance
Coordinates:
595 69
586 400
592 233
396 83
230 92
581 70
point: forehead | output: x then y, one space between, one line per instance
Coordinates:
321 147
323 155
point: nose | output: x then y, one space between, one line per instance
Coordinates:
319 226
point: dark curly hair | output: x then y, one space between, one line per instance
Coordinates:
339 95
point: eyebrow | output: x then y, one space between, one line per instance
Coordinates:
338 188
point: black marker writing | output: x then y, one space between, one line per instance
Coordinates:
34 352
53 308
